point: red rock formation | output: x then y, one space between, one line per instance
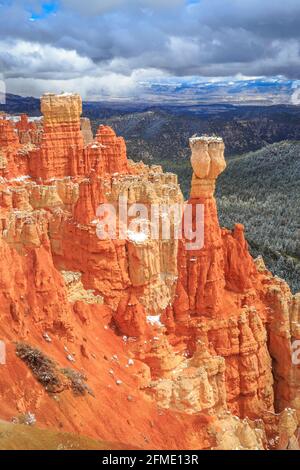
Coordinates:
197 332
28 132
237 274
216 299
114 150
130 317
86 130
84 212
61 150
201 270
107 154
8 136
9 146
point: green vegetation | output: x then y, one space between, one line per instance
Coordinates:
262 190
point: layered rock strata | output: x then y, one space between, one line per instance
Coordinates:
185 343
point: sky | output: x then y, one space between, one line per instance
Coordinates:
107 48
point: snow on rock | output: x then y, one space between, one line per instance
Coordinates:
20 179
205 138
137 237
154 320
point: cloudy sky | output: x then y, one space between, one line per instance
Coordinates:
107 47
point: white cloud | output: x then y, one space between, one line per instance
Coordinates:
295 99
102 84
105 45
35 59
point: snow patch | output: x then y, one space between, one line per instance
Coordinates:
137 237
20 179
205 138
154 320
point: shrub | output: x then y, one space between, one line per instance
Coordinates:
49 374
26 418
77 381
43 368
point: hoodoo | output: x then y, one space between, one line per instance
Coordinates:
145 341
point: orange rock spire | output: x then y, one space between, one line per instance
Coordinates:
61 150
203 278
9 146
213 285
27 131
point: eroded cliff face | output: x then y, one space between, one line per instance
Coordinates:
184 345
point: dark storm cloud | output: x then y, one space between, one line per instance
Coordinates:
69 38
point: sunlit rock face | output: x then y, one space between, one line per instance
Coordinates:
197 339
61 151
208 162
86 130
224 300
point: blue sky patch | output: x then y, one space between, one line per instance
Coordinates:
46 9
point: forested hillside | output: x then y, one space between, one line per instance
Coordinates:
262 190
